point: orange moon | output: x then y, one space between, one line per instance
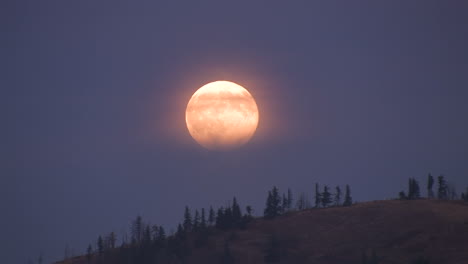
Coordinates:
221 115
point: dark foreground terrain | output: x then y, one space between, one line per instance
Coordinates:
394 231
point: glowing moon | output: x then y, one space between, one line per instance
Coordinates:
221 115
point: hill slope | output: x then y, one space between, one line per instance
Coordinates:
398 231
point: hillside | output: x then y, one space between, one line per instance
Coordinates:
398 232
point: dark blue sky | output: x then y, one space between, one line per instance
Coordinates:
361 92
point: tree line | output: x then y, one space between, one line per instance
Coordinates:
150 243
444 190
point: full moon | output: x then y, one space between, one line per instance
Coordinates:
221 115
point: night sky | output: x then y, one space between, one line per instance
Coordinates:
93 130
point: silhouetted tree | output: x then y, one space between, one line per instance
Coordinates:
211 216
147 235
100 245
413 189
89 253
442 189
154 233
402 196
348 201
180 233
110 240
236 212
416 190
228 217
137 229
187 220
196 221
430 183
464 196
290 199
318 197
451 192
337 198
272 208
326 196
203 219
284 204
248 209
222 220
302 202
161 234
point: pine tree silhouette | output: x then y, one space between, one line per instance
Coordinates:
290 199
188 224
272 208
348 200
430 183
337 198
236 212
326 196
318 196
211 216
442 190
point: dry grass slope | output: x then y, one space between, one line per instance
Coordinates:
398 231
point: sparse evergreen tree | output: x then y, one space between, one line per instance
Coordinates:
337 198
154 232
348 200
220 218
430 183
273 204
181 232
451 192
248 209
402 196
100 245
318 196
228 217
203 219
147 235
187 220
137 229
111 240
326 196
89 253
284 204
442 190
196 221
67 252
302 202
290 199
464 196
416 191
162 234
236 211
413 189
211 216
